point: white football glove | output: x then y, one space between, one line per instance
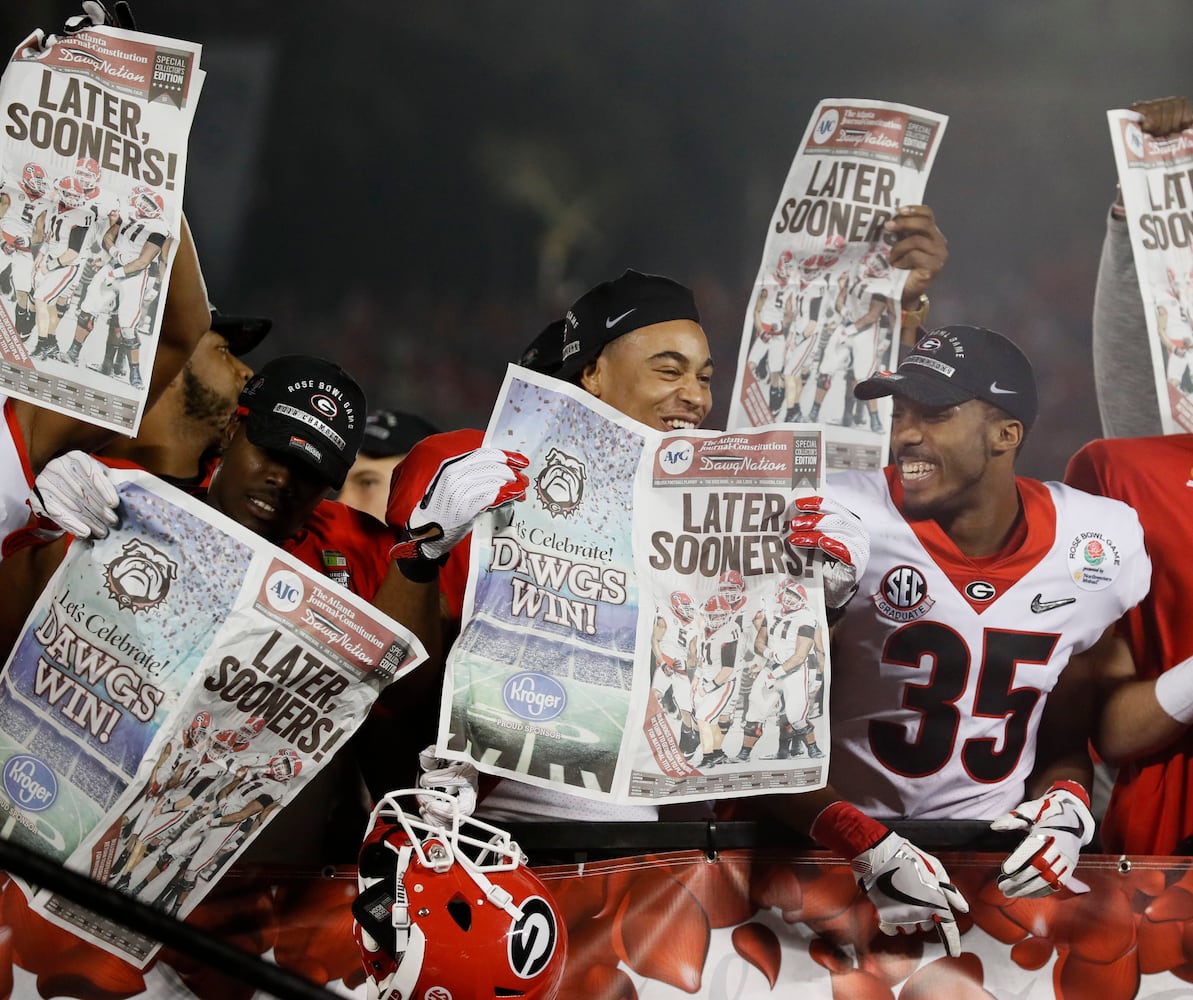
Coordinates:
1059 824
462 488
74 491
451 777
910 890
823 523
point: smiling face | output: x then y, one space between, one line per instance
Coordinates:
269 493
951 459
661 375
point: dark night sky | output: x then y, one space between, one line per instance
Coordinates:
416 189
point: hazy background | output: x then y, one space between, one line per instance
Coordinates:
415 190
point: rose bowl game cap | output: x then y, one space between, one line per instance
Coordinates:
604 313
955 364
309 408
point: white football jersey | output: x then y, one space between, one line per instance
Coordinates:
783 633
132 237
22 214
942 666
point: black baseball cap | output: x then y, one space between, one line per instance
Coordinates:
543 353
392 432
242 333
309 408
955 364
604 313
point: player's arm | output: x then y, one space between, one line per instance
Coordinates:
1067 724
24 573
5 203
149 253
241 814
186 318
803 646
1056 820
762 633
1140 716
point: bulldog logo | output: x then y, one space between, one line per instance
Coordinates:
560 485
139 578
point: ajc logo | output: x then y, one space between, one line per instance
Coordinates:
675 457
284 590
29 783
534 697
825 127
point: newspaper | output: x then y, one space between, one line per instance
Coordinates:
825 311
611 645
1155 175
177 683
92 162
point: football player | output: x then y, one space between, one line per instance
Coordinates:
24 206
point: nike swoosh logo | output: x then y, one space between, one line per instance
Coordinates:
994 387
886 882
1076 831
611 323
1039 605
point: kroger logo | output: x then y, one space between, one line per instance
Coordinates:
534 697
30 784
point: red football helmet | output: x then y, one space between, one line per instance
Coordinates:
245 732
33 180
876 264
732 587
792 595
683 606
146 203
284 765
71 193
453 910
196 732
785 266
717 614
87 171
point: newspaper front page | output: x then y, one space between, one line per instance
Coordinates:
92 163
177 683
1155 175
825 311
640 631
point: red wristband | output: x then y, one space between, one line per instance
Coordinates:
847 830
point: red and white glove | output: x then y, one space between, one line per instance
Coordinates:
74 491
1059 824
440 490
825 524
909 888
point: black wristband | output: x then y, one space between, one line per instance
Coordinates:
418 570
